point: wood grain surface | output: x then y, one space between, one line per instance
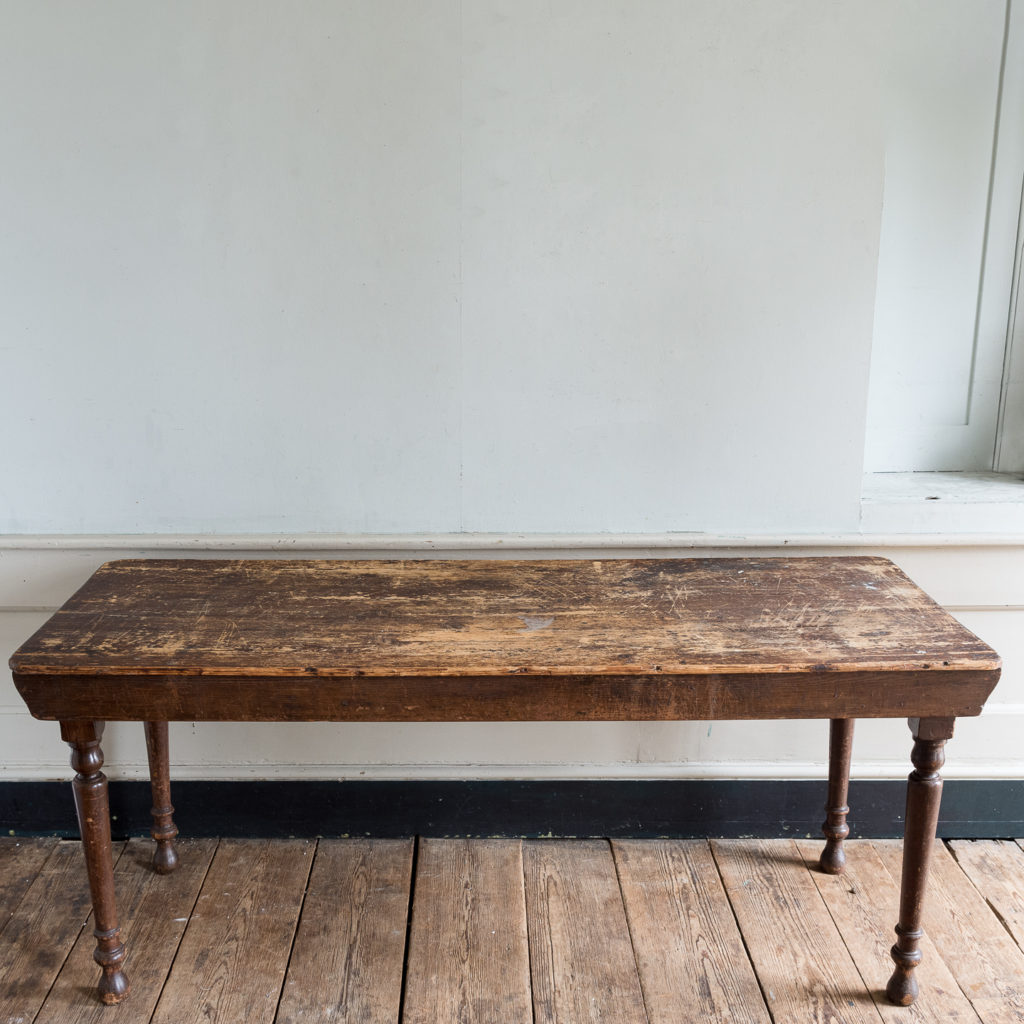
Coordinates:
155 912
346 964
20 861
581 957
502 641
231 963
689 952
996 867
468 956
987 964
805 970
478 618
355 950
42 931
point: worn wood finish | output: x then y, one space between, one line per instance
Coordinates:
93 809
987 964
20 862
154 914
835 829
41 932
346 964
517 698
468 956
861 903
231 962
165 857
996 867
689 952
924 790
582 962
833 619
803 965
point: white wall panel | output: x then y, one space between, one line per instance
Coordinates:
381 267
936 362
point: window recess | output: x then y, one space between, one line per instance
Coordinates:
947 368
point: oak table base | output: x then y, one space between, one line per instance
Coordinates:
618 640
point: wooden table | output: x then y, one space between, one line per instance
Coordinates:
429 641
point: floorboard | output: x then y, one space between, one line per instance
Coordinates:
581 956
864 904
40 933
368 931
805 970
468 957
346 965
689 952
154 911
20 861
231 963
996 867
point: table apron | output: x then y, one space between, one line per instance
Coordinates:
515 698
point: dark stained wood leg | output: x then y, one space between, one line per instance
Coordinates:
840 749
924 789
90 789
165 857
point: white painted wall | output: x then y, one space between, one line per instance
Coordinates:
393 266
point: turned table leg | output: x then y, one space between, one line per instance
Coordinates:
165 857
924 789
92 806
840 748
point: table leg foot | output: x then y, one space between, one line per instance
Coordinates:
835 828
93 809
924 790
165 857
902 988
113 986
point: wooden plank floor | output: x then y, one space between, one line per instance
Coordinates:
506 932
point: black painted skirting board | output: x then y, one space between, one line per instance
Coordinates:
682 809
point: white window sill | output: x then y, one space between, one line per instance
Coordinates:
954 503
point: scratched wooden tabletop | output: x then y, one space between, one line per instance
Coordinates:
418 618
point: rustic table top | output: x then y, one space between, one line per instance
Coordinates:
486 618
